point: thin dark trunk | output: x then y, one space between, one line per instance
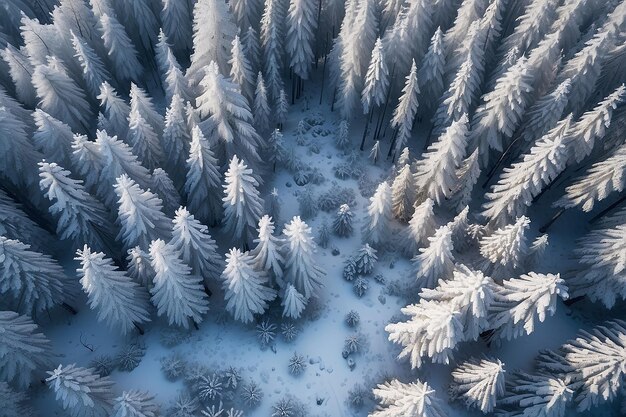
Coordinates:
554 218
367 124
332 104
499 162
195 325
571 301
387 97
324 69
139 329
608 210
293 90
391 146
69 308
548 187
317 44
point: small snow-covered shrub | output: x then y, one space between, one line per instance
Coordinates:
231 376
130 357
350 269
184 406
307 204
210 387
266 332
301 176
356 396
343 171
323 236
331 199
103 365
251 394
352 318
173 366
289 331
366 259
283 408
353 343
297 364
173 336
360 286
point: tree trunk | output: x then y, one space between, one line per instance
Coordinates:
607 210
554 218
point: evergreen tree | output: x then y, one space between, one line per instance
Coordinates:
416 399
120 49
141 104
53 137
20 70
203 180
403 194
23 349
246 12
229 117
365 260
141 21
341 139
545 113
213 31
246 289
467 177
276 152
175 81
518 301
176 292
31 282
262 112
140 214
506 248
94 71
293 302
421 226
435 261
267 256
342 225
479 382
301 30
376 80
431 73
119 301
176 18
176 140
541 394
14 403
60 96
281 108
115 109
252 47
15 224
377 230
81 391
80 217
86 158
164 188
144 140
375 152
135 403
197 248
243 206
404 114
139 267
241 69
435 173
272 40
301 270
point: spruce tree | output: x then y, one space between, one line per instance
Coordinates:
241 69
262 112
93 70
177 19
135 403
377 230
479 383
120 49
301 270
506 248
404 114
53 138
176 140
301 30
163 187
403 194
144 140
421 226
415 399
267 256
115 109
293 302
436 261
342 225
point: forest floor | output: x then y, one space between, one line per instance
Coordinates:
220 342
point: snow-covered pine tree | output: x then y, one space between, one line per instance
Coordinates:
15 224
266 255
421 226
31 282
140 215
139 267
80 217
525 179
24 349
281 108
435 174
341 138
20 71
545 113
597 363
479 383
506 248
176 17
141 104
144 140
116 110
272 40
377 230
301 270
601 268
247 12
262 112
227 117
431 73
175 81
163 186
60 96
404 113
176 292
243 206
376 79
120 49
342 225
94 72
136 403
246 288
241 69
119 300
415 399
436 261
53 138
213 31
293 302
81 391
459 228
14 403
301 30
536 394
252 48
176 140
403 194
365 260
197 248
141 21
203 180
519 301
275 149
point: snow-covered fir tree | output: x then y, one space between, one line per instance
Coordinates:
421 226
365 260
241 69
415 399
164 187
81 391
243 206
24 349
376 79
377 230
266 255
479 383
272 41
53 138
246 289
435 261
140 215
403 194
93 70
135 403
196 246
293 302
203 180
301 269
119 301
177 20
139 267
120 48
15 224
404 113
539 394
176 292
506 248
115 109
262 113
342 225
431 73
301 28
